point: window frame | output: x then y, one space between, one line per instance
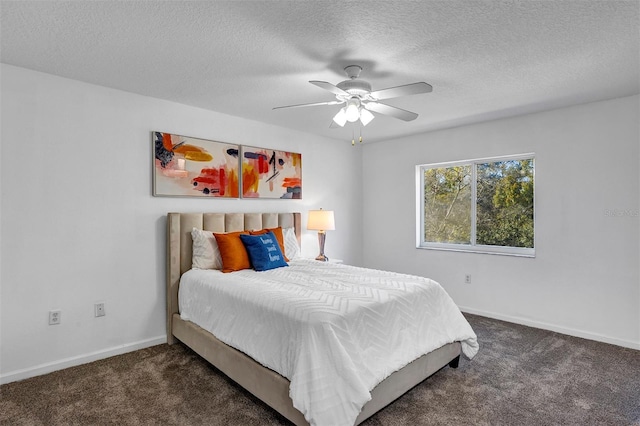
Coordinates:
472 247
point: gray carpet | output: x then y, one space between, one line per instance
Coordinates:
521 376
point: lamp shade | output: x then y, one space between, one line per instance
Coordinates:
340 118
321 220
365 116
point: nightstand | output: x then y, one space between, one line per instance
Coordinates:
331 261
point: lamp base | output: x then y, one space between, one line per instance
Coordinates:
321 237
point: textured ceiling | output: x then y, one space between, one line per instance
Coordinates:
484 59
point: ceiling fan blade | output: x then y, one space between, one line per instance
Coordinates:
391 111
406 90
313 104
330 87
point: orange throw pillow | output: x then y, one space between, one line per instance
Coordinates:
234 255
279 236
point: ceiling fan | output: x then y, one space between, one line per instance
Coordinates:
360 100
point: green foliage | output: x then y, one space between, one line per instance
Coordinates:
504 212
447 195
504 204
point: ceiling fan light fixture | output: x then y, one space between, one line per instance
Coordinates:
352 110
340 118
365 116
359 100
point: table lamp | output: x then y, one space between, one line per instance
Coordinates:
321 221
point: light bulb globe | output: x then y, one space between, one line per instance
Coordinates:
352 110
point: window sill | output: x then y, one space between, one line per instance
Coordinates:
500 251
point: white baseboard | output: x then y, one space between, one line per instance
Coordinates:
552 327
49 367
130 347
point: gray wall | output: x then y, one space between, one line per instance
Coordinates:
80 226
584 279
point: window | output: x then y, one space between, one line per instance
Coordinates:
484 205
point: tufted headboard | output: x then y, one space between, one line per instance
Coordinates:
179 243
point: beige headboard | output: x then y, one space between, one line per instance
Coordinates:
179 244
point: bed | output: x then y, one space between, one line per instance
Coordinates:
266 384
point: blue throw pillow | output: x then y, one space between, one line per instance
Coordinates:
264 251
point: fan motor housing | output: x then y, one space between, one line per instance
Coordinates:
355 86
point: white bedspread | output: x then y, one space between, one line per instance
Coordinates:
335 331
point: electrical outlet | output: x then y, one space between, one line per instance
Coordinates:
99 309
467 279
55 317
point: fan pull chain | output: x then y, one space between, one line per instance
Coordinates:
353 137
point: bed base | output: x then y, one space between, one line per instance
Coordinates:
273 389
265 384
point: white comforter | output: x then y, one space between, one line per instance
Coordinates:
335 331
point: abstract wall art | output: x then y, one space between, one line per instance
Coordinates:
185 166
268 173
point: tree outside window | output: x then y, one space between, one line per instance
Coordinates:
482 205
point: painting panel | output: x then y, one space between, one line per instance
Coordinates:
185 166
269 173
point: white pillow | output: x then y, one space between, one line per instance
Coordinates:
291 246
206 254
